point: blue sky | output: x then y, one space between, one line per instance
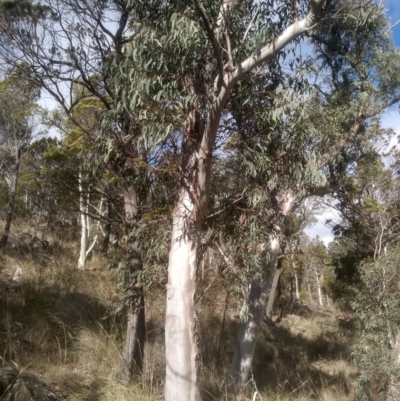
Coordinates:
393 12
389 120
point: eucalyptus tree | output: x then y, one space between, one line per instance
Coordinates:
182 63
18 127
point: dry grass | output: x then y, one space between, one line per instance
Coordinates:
60 324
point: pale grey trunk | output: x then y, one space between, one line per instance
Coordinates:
271 298
180 343
320 300
318 279
296 280
240 368
11 206
84 228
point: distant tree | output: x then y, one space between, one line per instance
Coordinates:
18 126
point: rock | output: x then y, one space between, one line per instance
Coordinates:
8 376
23 387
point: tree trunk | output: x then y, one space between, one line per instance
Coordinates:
274 286
84 229
107 230
308 286
132 360
180 344
321 303
240 368
10 211
297 285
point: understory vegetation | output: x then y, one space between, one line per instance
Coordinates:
66 327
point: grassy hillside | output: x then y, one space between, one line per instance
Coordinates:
64 326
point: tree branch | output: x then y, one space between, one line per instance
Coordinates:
213 40
290 33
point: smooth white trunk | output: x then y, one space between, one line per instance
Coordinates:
318 279
180 344
320 299
82 215
296 280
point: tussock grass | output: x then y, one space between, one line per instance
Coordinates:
61 324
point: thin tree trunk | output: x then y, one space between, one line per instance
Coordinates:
10 211
132 360
240 368
84 230
228 293
297 285
310 298
274 286
321 303
107 229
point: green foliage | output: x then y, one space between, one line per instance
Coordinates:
377 310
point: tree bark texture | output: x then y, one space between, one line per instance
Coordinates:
272 293
132 359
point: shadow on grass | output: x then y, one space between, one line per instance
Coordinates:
40 329
285 363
